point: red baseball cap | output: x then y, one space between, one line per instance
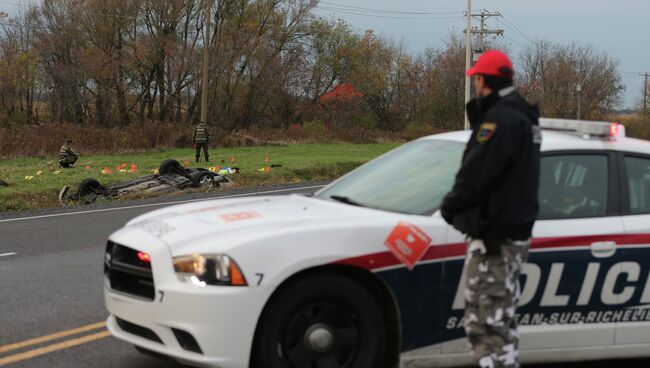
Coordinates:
493 62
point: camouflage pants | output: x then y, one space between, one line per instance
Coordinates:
203 146
491 296
66 161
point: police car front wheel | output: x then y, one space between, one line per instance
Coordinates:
323 321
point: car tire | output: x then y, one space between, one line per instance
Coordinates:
326 320
205 180
170 166
88 186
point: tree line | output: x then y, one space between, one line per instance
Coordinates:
273 63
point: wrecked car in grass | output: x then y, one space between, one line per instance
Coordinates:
171 177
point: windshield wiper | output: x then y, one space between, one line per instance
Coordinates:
346 200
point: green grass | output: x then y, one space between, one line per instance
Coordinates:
299 162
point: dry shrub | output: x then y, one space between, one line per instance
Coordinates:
296 132
417 130
316 130
262 132
239 139
634 125
357 135
45 139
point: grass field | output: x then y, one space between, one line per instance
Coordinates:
30 189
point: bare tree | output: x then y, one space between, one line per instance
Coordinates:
551 72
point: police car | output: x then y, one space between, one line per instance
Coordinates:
365 272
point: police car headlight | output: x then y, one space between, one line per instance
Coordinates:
203 270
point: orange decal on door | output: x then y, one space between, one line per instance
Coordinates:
408 243
240 216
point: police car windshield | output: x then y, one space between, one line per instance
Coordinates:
411 179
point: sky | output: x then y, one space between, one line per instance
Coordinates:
619 28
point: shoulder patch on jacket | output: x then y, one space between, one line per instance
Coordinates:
485 132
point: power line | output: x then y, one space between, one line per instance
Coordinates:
349 12
516 30
110 15
338 8
514 41
389 11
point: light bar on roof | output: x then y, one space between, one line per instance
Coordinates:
593 128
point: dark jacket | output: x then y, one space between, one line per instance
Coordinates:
201 134
495 195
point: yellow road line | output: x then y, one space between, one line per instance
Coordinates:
51 348
54 336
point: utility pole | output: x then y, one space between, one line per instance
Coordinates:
473 55
468 58
645 96
481 31
579 92
206 63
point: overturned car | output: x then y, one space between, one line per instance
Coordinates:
171 177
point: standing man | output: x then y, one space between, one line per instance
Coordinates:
494 202
201 137
67 156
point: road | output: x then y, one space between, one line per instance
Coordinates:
51 282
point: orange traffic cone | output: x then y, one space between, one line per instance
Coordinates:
124 165
267 169
106 171
186 163
133 168
117 168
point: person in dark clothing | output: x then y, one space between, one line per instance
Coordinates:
201 138
67 156
494 201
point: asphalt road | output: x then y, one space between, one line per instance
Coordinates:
51 282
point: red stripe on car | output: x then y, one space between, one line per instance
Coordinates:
387 259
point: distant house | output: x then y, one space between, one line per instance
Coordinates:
342 92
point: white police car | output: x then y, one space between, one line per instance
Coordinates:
366 271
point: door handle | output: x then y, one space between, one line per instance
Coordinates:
603 249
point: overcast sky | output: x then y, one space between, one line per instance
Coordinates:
620 28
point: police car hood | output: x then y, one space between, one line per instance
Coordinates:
219 225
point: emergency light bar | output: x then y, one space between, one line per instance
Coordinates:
592 128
